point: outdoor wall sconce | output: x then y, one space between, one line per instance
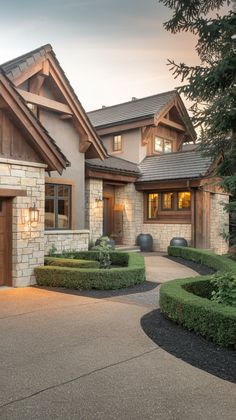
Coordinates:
30 216
33 214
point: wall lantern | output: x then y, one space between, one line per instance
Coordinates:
33 214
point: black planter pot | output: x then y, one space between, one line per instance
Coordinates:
178 241
145 241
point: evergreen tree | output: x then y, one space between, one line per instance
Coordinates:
211 85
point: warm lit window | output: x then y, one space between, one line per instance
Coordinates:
184 200
166 206
167 201
152 206
57 206
117 143
162 145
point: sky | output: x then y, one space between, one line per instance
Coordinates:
111 50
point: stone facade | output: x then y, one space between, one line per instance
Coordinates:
94 207
27 240
219 223
66 240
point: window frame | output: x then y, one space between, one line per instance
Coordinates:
163 140
56 199
114 150
174 215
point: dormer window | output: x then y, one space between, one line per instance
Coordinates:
117 143
162 145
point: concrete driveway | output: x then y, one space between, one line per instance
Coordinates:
85 356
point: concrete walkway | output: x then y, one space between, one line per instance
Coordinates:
85 356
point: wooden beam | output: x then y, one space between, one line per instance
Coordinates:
36 82
26 74
6 192
124 127
84 145
90 173
172 124
45 102
147 134
46 68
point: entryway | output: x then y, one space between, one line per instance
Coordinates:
5 241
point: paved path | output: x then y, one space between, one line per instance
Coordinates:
86 357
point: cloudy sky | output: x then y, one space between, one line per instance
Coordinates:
111 50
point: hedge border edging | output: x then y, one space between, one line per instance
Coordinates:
92 278
210 319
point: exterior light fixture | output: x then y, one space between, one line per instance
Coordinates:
33 214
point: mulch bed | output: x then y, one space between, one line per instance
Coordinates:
203 270
190 347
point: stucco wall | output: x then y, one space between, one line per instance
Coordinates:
133 150
28 240
67 139
219 223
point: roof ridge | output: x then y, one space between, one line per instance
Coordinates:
126 160
132 101
170 154
46 47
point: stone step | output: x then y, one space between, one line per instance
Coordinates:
127 248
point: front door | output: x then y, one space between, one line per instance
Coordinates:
5 241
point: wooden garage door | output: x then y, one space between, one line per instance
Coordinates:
5 241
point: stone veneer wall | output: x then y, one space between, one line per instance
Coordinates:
68 240
94 207
219 222
133 221
28 240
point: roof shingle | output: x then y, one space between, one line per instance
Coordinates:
135 109
180 165
114 164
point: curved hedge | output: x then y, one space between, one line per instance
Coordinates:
181 302
69 262
94 278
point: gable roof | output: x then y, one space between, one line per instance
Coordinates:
173 166
114 164
132 110
16 68
42 141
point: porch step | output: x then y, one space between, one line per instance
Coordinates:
127 248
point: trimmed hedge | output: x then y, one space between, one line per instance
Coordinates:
68 262
117 258
92 278
186 302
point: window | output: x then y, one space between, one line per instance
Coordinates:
162 145
167 201
184 200
57 206
152 206
168 206
117 143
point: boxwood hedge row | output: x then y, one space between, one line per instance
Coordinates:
94 278
186 302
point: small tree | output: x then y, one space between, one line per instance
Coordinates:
211 85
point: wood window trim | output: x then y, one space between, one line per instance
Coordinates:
114 151
175 216
163 145
72 184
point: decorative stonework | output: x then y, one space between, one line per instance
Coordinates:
68 240
219 223
28 240
94 207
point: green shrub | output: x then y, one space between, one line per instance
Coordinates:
104 249
218 262
92 278
117 258
68 262
187 301
213 321
224 288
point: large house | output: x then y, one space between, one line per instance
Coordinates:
67 177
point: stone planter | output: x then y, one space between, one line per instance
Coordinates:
145 241
178 241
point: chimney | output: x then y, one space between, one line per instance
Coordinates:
103 106
134 98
